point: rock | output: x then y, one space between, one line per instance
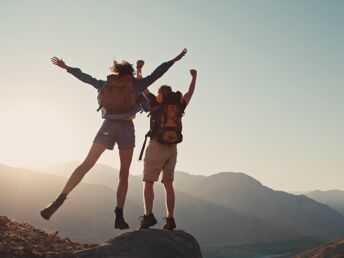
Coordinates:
21 240
4 220
149 243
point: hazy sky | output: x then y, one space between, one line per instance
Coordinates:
269 94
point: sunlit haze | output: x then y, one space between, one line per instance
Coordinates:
268 99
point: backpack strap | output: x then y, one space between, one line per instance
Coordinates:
143 146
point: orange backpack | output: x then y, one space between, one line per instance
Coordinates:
166 115
118 94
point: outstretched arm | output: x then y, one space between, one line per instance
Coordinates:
158 72
98 84
189 94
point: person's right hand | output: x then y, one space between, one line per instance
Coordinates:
178 57
193 72
59 62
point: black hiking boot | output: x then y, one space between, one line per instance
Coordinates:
169 224
147 221
119 220
47 212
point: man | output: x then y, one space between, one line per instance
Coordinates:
117 127
161 154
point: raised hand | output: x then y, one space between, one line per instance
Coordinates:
193 72
59 62
178 57
140 63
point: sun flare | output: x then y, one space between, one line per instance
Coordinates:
31 133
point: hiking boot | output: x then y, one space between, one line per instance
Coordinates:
169 224
47 212
119 220
120 223
147 221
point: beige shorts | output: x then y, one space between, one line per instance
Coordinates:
159 157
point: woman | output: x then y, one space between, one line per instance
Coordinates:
117 128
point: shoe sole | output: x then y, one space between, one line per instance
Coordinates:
120 227
169 228
147 227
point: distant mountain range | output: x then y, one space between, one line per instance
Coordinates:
225 209
332 198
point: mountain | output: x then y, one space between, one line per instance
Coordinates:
301 215
332 198
108 176
100 174
88 212
222 210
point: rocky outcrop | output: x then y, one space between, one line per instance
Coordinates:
331 250
21 240
149 243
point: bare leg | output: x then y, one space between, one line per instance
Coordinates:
169 198
92 157
148 220
126 156
148 197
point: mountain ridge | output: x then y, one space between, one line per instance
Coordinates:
239 209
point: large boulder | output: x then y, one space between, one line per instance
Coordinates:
149 243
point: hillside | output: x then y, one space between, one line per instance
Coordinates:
330 250
298 213
23 240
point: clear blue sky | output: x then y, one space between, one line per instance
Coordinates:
268 100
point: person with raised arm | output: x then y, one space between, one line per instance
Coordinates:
167 109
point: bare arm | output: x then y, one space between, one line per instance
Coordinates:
189 94
139 65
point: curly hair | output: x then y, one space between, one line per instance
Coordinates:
123 68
